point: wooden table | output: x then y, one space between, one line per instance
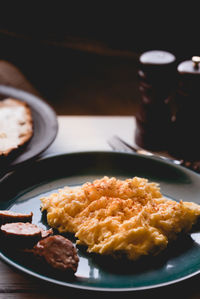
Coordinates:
82 133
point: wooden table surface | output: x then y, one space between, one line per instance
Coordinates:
85 133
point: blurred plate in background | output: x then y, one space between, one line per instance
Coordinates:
45 125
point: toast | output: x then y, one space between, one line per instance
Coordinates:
16 125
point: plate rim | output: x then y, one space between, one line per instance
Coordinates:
94 288
89 288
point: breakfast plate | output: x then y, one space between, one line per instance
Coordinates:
45 125
180 261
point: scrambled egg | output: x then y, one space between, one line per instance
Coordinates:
112 216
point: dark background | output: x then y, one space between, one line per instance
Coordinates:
85 61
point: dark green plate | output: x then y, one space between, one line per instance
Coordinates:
22 190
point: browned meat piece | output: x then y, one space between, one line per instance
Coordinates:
46 233
9 216
21 235
58 252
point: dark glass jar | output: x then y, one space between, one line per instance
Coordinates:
157 81
186 123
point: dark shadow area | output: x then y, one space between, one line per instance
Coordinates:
73 81
121 265
86 63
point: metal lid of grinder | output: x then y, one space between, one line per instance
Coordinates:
156 74
190 66
157 58
155 62
189 76
186 122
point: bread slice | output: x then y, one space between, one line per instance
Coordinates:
16 125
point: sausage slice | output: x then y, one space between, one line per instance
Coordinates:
9 216
20 234
58 252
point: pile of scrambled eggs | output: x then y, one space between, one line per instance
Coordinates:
113 216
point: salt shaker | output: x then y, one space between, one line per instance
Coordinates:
157 80
186 123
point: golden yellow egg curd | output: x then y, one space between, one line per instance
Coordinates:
113 216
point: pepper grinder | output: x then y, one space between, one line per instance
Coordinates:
186 123
157 79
